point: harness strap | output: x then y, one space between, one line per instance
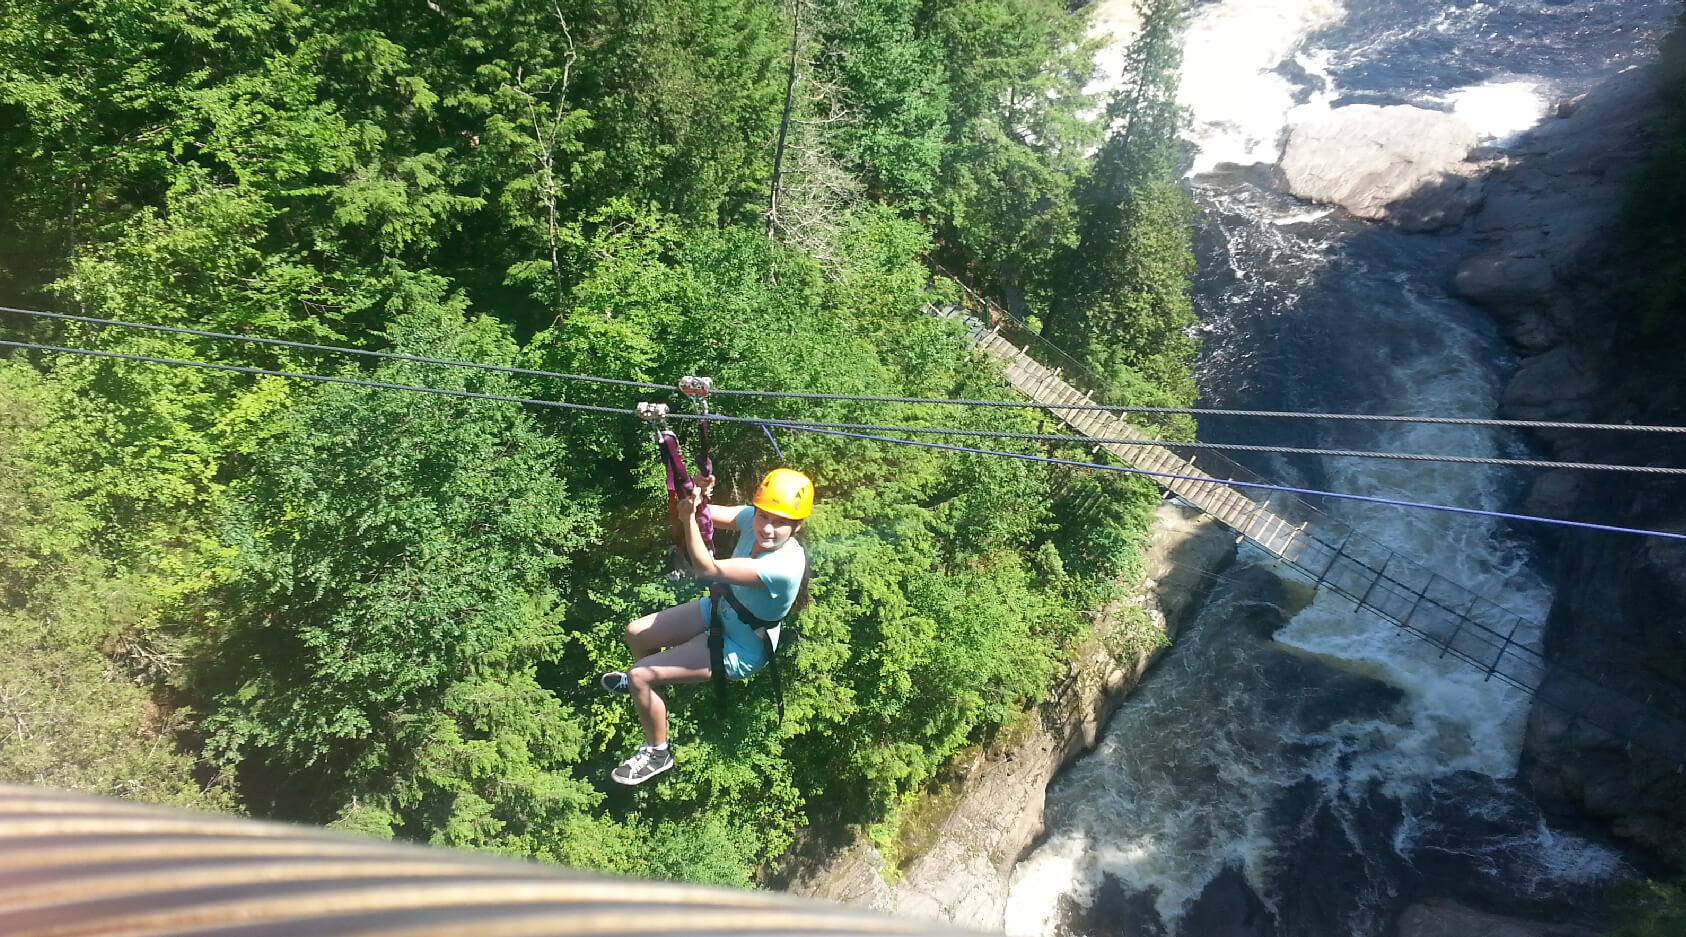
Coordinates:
717 647
679 483
744 614
754 621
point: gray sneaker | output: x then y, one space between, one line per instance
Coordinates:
645 764
614 682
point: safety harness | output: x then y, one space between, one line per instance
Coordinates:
680 483
717 593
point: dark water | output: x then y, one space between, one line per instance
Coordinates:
1303 769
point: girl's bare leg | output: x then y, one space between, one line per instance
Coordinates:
666 628
687 663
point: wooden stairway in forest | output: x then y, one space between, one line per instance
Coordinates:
1415 599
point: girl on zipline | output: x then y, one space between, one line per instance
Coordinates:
751 593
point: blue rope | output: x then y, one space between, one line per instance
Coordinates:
776 450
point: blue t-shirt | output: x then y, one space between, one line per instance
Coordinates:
780 572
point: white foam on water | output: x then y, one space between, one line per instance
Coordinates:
1179 788
1061 867
1502 110
1114 23
1465 720
1452 718
1145 826
1559 857
1231 51
1303 217
1185 781
1531 857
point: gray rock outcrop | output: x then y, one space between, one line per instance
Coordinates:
1401 164
1439 917
1549 385
1548 215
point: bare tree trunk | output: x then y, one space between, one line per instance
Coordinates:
813 191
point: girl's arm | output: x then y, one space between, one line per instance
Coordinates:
737 571
725 516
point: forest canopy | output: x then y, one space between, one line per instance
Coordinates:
385 611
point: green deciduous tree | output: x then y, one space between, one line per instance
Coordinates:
78 708
1016 71
897 92
399 558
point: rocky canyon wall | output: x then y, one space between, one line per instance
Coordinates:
1569 288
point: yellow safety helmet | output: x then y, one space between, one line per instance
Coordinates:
787 493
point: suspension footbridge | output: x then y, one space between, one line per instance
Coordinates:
1416 599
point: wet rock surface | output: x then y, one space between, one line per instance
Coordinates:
1549 214
1227 908
1445 918
1607 734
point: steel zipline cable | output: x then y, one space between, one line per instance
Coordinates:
871 427
800 426
863 398
333 349
324 378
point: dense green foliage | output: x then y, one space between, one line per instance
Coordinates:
1650 909
1125 307
386 610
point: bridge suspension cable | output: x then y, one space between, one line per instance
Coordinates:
864 398
800 426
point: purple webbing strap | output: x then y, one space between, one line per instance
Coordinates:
705 464
679 484
678 481
705 523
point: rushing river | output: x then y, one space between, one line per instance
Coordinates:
1295 766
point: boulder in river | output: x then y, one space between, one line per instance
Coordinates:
1550 386
1402 164
1440 917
